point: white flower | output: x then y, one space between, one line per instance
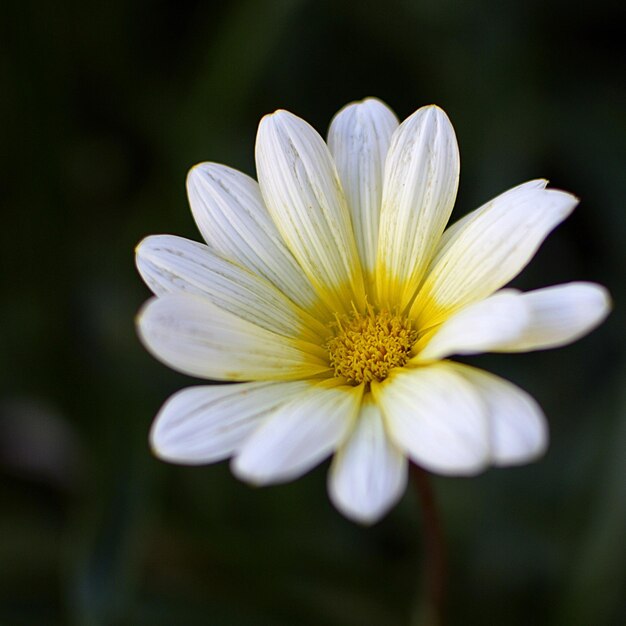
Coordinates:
333 291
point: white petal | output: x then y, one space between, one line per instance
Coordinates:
518 428
299 435
479 327
229 211
358 139
420 183
171 264
193 336
435 415
206 424
369 474
490 248
304 197
560 315
451 231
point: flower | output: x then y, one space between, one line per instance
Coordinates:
332 293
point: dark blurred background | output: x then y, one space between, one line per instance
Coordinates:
104 107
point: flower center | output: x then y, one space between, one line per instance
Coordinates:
366 347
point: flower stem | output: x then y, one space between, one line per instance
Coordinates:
434 568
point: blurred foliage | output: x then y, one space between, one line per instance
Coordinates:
105 106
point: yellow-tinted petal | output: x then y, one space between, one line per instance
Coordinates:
172 264
304 197
359 138
420 183
489 248
193 336
479 327
230 213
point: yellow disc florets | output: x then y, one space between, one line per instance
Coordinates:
366 347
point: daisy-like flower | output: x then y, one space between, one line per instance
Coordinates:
332 294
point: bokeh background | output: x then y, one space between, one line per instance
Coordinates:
104 107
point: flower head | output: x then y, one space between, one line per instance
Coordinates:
331 291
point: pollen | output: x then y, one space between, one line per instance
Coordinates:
367 347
